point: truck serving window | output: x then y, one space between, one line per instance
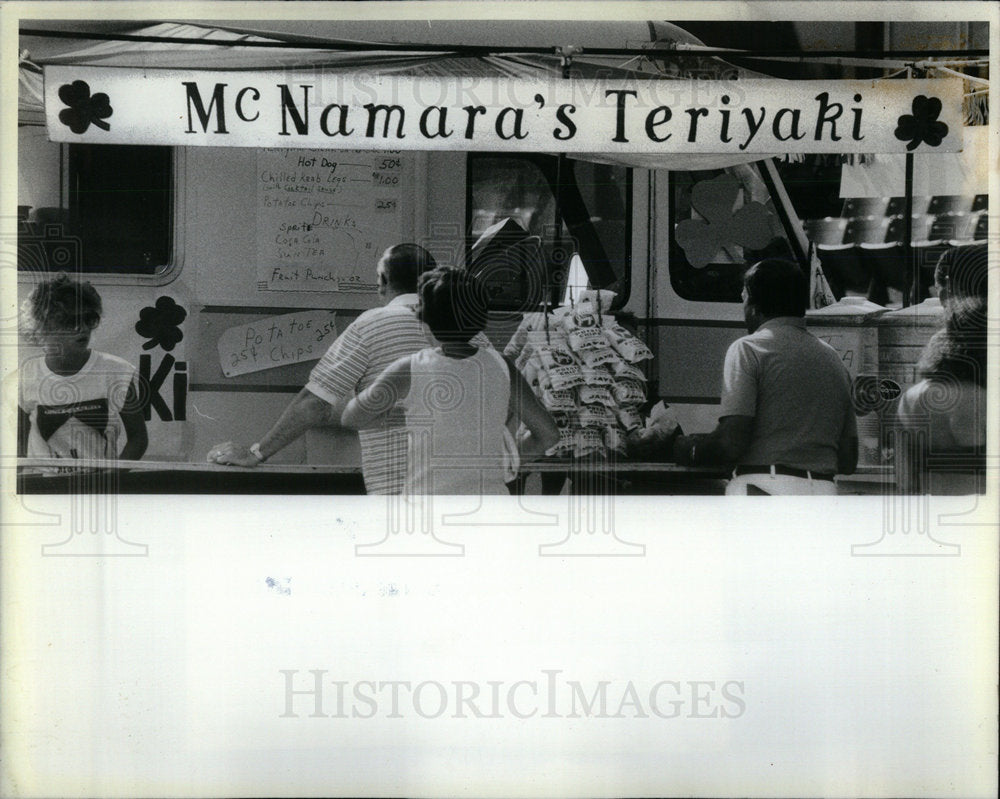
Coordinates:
576 208
721 222
101 209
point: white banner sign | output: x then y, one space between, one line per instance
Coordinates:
385 112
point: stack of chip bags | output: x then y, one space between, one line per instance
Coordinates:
584 367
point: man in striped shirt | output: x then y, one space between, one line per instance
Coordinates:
360 354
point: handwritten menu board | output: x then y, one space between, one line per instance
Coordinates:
324 217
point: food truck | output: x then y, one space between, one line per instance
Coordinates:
228 190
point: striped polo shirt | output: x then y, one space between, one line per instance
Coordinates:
360 354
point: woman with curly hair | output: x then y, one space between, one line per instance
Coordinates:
73 401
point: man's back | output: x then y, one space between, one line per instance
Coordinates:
797 391
361 353
366 347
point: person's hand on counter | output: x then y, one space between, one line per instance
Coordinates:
641 445
722 447
303 413
650 444
233 454
654 442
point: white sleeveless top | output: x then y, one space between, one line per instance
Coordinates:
455 415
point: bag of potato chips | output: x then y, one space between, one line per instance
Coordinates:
588 442
558 400
598 297
628 392
629 418
627 345
623 370
595 415
566 443
591 359
560 367
587 339
597 376
591 394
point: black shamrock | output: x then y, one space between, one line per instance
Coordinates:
922 124
83 109
161 323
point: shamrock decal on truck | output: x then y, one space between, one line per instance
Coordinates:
160 323
701 239
84 109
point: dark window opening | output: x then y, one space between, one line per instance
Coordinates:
586 243
116 218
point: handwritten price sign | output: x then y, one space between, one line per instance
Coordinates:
276 341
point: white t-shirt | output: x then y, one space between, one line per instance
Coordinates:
75 416
456 411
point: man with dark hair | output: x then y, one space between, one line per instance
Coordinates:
367 346
787 422
402 267
776 288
